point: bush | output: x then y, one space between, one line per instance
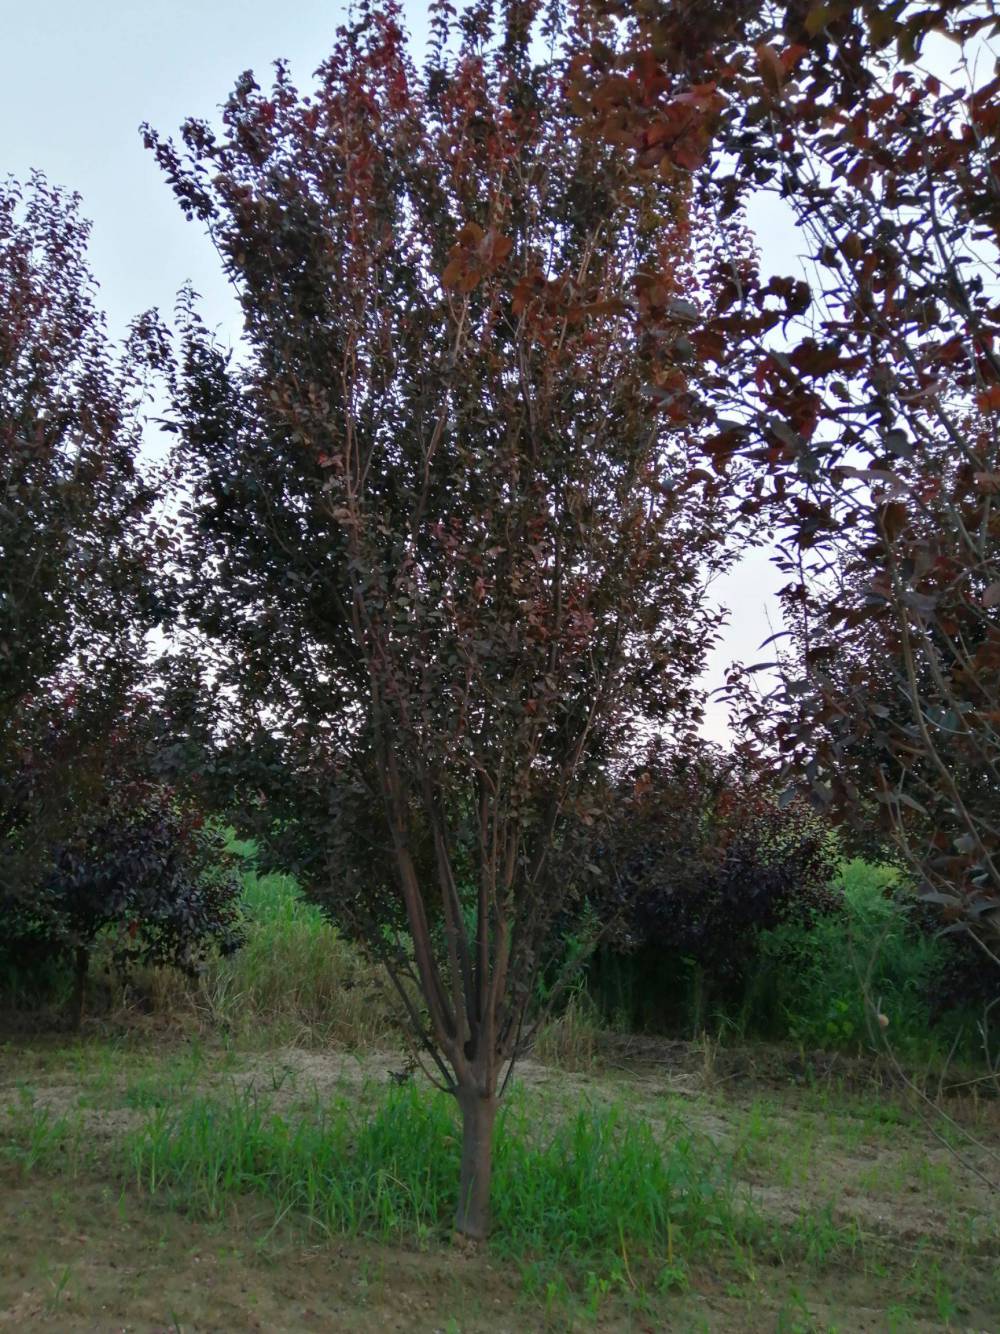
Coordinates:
144 875
296 974
702 858
814 974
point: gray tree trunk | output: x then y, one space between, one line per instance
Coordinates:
472 1217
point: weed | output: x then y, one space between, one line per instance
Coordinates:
814 973
821 1237
296 978
570 1041
36 1139
56 1284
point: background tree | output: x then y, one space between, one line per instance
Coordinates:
77 592
867 396
143 874
431 521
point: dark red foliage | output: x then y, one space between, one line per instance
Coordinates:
77 551
703 855
864 393
143 872
431 521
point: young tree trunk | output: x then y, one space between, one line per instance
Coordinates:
472 1217
81 964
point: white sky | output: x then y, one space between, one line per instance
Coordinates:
76 81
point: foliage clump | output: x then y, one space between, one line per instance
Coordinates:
77 546
703 856
144 875
864 391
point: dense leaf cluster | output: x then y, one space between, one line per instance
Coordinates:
77 551
91 843
143 873
703 856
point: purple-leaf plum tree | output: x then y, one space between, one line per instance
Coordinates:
446 549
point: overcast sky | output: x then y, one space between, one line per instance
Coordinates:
77 80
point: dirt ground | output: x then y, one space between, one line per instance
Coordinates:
829 1152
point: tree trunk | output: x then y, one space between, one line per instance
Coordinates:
472 1217
81 964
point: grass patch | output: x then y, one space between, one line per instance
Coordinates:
294 980
37 1139
296 975
615 1198
595 1193
571 1040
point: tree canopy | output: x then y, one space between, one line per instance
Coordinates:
864 393
77 552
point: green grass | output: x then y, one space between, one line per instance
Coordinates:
604 1193
37 1139
595 1197
295 976
591 1193
612 1192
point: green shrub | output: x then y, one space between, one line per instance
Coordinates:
807 978
812 976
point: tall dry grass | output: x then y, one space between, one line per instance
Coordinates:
295 979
